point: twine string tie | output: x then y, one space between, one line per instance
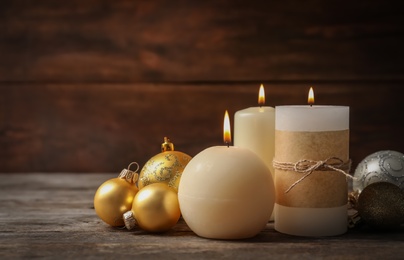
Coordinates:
307 167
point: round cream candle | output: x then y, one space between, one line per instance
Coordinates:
254 128
226 192
317 204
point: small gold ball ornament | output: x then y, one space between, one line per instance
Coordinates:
155 209
165 167
115 196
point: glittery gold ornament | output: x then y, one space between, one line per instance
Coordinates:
166 167
115 196
381 205
155 209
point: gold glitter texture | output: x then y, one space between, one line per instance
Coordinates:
165 167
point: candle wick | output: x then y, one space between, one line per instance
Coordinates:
228 144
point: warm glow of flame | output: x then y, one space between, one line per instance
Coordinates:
310 99
261 96
226 129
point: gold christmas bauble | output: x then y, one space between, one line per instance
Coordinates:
155 208
165 167
381 205
114 197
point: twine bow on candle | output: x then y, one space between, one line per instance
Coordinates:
309 166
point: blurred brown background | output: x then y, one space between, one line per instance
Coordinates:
90 86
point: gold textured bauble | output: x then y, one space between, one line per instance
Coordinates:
114 197
165 167
156 208
381 205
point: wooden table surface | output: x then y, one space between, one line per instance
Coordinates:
51 216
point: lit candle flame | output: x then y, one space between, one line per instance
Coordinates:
226 129
261 96
310 99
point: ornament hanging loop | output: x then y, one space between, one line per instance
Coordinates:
137 165
128 175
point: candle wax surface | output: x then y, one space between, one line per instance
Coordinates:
226 193
254 128
312 118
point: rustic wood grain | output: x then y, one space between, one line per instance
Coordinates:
126 41
89 86
52 216
104 127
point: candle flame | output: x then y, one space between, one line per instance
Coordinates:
226 129
261 96
310 99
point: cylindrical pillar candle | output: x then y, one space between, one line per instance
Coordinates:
254 128
311 156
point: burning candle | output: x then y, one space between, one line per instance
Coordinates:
311 164
226 192
254 128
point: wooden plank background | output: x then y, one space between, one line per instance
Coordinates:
89 86
180 40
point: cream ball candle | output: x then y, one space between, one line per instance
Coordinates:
226 192
311 168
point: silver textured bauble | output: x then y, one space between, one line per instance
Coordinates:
382 166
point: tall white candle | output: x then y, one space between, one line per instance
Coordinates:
254 128
317 204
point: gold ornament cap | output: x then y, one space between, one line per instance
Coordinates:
129 220
128 175
167 145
